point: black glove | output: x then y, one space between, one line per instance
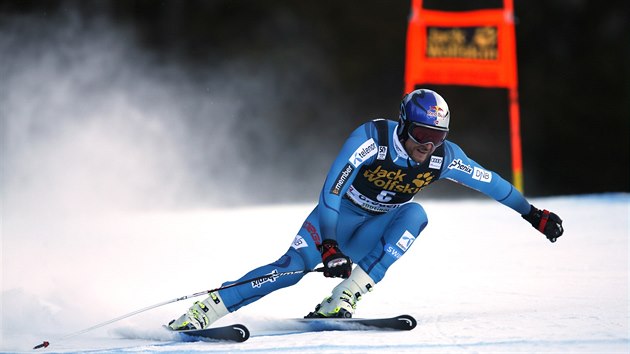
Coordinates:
336 264
546 222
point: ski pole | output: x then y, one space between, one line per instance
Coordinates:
45 344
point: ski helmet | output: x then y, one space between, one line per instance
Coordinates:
424 117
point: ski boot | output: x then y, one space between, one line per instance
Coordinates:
343 301
201 314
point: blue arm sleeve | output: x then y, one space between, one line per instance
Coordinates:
461 169
359 148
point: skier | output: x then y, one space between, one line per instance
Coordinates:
365 213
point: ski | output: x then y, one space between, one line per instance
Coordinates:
398 323
234 333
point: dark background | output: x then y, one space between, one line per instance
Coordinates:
308 72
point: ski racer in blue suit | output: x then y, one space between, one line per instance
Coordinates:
366 214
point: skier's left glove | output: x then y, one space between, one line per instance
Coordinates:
546 222
336 264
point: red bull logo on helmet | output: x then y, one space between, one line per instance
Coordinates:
435 111
438 113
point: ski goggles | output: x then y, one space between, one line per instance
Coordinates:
421 134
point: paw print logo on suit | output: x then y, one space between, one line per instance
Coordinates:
423 179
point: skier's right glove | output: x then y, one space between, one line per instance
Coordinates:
336 264
546 222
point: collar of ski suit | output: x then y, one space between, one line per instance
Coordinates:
399 149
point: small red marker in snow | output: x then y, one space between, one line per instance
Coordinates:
45 344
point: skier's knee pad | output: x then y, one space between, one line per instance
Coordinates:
292 259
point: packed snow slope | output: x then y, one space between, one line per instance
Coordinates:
479 280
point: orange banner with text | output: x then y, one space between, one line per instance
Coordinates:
472 48
469 48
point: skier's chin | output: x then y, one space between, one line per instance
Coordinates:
421 153
418 152
419 157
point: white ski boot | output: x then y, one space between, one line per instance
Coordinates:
343 300
201 314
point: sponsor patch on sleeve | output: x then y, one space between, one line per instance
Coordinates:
460 166
342 179
364 152
482 175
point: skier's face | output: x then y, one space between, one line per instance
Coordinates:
419 152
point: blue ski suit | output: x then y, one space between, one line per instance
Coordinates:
365 205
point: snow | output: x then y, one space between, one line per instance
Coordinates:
478 280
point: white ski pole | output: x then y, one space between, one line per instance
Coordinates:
45 344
